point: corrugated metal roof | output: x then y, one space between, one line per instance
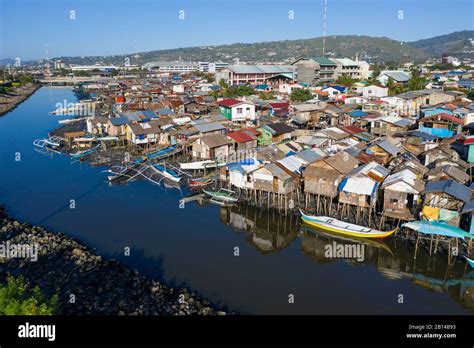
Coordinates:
451 188
309 156
324 61
119 121
261 69
209 127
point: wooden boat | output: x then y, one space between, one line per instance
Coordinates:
222 196
329 224
160 153
470 262
71 120
201 165
80 154
166 172
51 142
199 182
124 174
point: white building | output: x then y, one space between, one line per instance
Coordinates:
176 67
287 88
374 92
347 67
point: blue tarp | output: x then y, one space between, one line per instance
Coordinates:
439 132
440 228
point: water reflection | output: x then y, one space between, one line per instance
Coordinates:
269 232
393 258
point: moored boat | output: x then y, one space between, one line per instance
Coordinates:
51 142
222 196
160 153
330 224
199 182
470 262
166 172
80 154
207 164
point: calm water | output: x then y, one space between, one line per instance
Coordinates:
194 246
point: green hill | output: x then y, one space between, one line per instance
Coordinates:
374 49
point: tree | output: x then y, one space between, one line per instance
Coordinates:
16 298
470 95
300 94
267 95
223 84
346 81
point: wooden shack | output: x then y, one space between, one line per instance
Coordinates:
444 200
360 186
323 177
401 194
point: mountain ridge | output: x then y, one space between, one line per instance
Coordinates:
373 49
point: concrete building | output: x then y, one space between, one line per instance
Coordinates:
347 67
252 74
315 70
177 67
374 92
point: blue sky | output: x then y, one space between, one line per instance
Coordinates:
32 29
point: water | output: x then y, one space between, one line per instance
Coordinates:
194 246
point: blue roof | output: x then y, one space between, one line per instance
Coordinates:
422 135
149 114
339 88
119 121
450 187
357 113
164 111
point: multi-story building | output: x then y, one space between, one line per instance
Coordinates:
177 67
347 67
252 74
316 70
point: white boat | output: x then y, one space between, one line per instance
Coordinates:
201 165
71 120
166 172
52 142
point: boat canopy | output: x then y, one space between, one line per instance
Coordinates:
437 227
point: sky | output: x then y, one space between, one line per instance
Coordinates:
34 29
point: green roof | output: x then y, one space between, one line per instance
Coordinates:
324 61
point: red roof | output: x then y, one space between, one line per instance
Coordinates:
254 131
230 102
450 107
279 105
451 118
352 129
241 136
469 140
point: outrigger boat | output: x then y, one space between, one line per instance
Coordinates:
167 173
336 226
50 142
160 153
222 196
470 262
80 154
199 182
201 165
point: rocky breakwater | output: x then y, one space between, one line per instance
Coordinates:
84 281
9 100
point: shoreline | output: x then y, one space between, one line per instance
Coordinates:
18 99
86 283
